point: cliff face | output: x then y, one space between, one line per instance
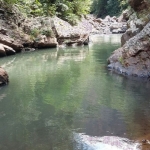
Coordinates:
133 58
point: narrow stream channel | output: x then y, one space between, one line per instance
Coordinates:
66 99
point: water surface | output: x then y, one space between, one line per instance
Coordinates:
56 96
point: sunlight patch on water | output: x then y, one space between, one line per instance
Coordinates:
86 142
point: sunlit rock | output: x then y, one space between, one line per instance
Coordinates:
6 50
133 58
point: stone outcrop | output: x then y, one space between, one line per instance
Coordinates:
135 25
61 32
4 79
6 40
45 42
6 50
108 25
68 34
39 32
133 58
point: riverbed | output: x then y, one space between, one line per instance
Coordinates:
67 99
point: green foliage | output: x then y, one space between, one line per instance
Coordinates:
115 4
48 32
68 10
99 7
108 7
121 60
123 4
35 32
72 18
10 1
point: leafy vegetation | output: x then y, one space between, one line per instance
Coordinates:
48 32
108 7
69 10
65 9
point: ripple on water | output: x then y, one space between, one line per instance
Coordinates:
54 92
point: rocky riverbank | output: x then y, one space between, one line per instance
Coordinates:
19 33
133 58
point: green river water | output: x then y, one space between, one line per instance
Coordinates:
54 95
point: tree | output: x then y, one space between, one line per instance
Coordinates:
115 4
108 7
99 7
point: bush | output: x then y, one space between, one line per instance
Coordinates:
48 32
72 19
35 32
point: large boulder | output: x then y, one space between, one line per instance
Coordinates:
4 79
135 25
134 57
6 50
124 16
6 40
68 34
62 31
45 42
2 51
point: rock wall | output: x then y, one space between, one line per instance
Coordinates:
133 58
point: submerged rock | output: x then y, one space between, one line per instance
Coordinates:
4 79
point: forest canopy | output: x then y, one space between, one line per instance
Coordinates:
102 8
69 10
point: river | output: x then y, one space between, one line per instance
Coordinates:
66 99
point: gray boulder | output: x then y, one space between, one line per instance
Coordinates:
6 50
6 40
4 79
45 42
134 57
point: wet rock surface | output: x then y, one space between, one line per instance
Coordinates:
4 79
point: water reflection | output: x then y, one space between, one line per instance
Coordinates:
54 93
103 143
113 39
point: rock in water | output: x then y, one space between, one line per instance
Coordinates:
4 79
133 58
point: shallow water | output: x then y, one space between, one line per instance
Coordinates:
55 94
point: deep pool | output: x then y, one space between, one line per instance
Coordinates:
66 99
